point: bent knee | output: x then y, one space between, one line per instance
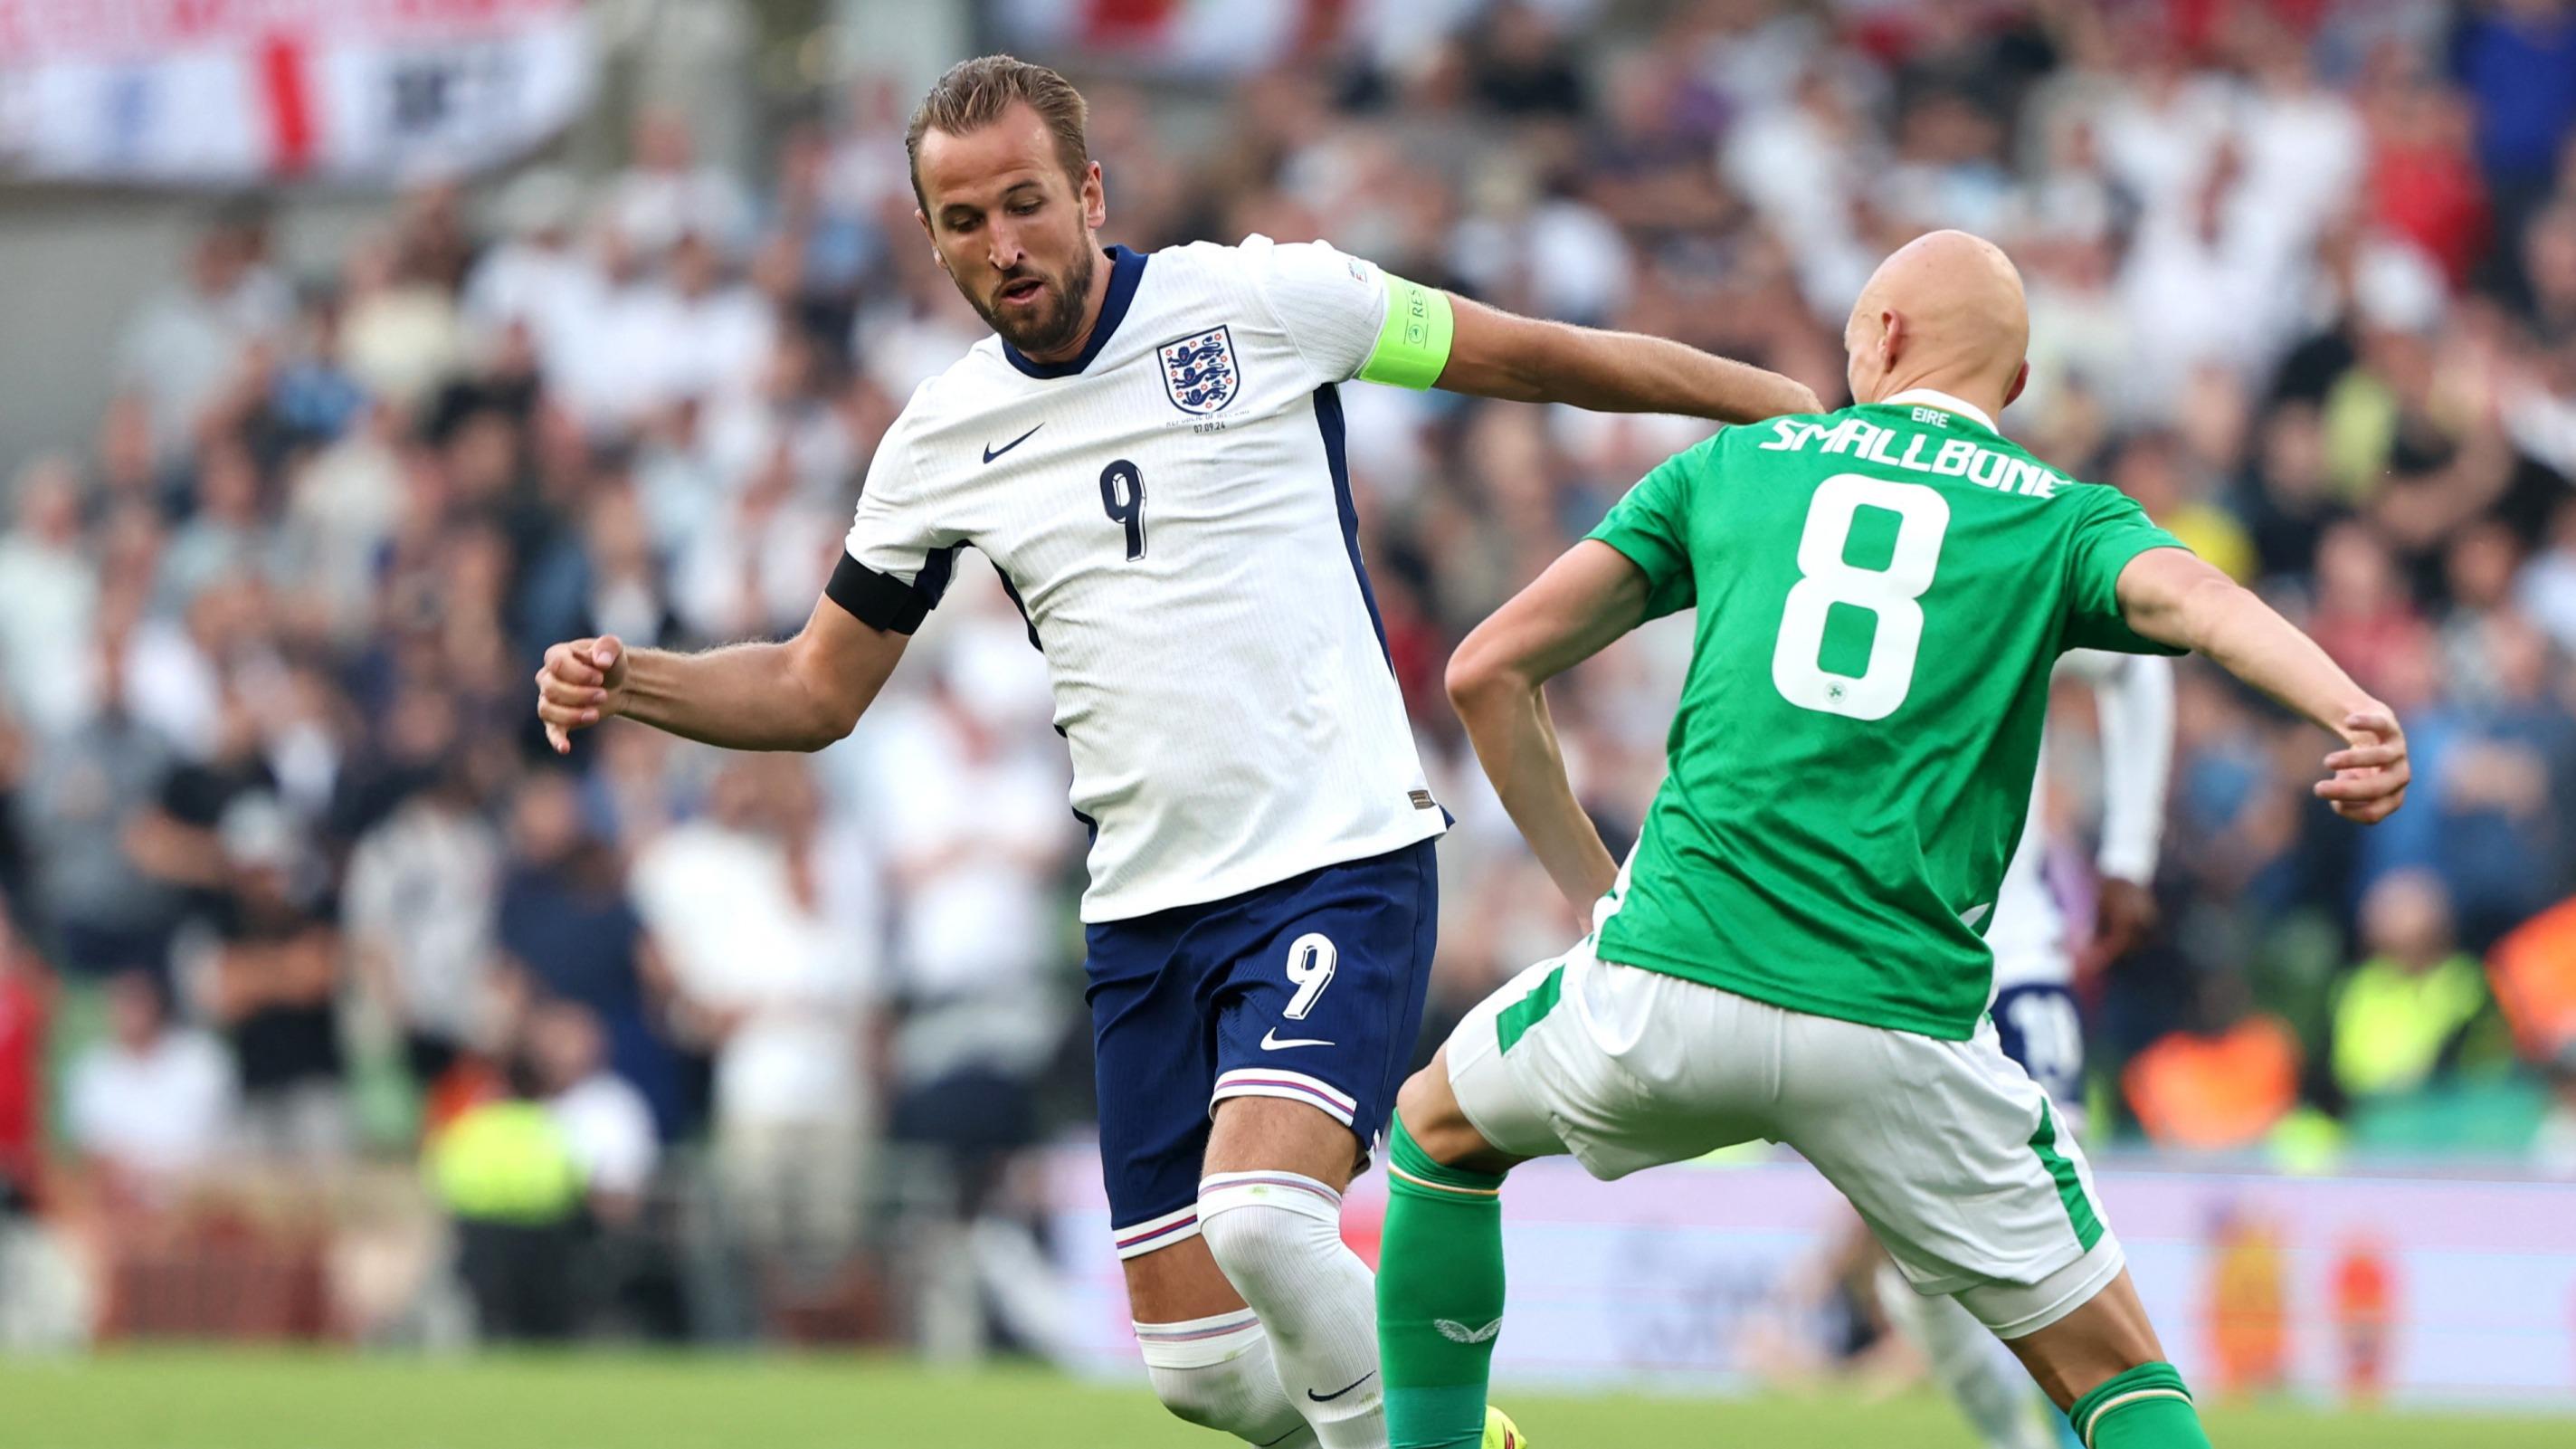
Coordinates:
1258 1223
1431 1116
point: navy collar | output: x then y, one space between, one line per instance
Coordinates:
1126 269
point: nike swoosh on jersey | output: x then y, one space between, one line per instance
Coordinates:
1270 1041
991 452
1344 1389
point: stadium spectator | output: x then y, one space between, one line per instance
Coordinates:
272 975
570 932
978 1013
2533 973
417 912
665 194
2508 785
185 346
738 900
605 1122
85 791
400 334
52 582
2409 1008
2226 1088
630 1278
153 1104
2517 63
26 1016
506 1174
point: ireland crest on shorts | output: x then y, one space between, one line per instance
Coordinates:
1198 371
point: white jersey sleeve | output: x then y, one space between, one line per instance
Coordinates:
2134 694
896 559
1349 318
1330 303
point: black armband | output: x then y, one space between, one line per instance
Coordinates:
882 601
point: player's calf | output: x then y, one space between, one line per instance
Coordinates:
2102 1364
1206 1353
1217 1372
1440 1273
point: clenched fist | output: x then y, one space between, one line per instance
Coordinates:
582 683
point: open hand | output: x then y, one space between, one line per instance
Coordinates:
582 683
2370 771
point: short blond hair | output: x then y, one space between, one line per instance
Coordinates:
975 93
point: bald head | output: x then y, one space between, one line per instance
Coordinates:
1944 312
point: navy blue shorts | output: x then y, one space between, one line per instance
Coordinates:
1309 990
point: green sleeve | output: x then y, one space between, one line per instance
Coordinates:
2112 530
1652 527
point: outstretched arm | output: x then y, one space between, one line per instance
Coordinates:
1586 599
1523 359
798 694
2173 598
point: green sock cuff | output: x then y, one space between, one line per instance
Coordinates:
1405 1158
2148 1381
1436 1418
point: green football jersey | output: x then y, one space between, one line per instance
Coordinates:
1881 593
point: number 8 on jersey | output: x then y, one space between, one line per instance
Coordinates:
1889 594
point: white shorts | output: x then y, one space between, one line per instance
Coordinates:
1947 1148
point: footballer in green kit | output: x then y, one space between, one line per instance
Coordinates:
1793 951
1841 529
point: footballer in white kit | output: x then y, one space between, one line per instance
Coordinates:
1150 451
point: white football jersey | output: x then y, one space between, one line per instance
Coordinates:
2133 694
1173 513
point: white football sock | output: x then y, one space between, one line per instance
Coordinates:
1278 1236
1993 1391
1217 1372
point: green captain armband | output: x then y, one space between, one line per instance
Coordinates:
1413 343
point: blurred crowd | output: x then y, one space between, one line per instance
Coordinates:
292 879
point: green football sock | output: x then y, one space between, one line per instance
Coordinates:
1439 1297
2145 1408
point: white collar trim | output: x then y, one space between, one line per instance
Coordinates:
1931 397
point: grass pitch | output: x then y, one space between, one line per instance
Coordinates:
283 1400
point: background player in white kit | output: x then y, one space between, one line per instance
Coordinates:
2035 1013
1149 450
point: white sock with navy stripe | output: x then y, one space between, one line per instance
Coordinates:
1216 1372
1278 1236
